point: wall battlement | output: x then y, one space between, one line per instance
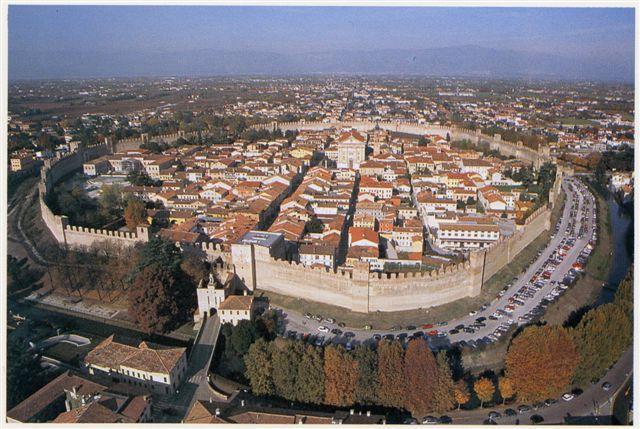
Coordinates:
358 289
496 142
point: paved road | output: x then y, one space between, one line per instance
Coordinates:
576 193
594 401
196 385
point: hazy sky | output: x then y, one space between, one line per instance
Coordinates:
587 33
302 29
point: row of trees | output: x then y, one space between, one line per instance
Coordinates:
388 376
158 280
544 361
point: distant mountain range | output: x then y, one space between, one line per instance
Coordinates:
470 61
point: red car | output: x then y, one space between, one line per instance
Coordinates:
427 326
432 333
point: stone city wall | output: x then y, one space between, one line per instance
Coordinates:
358 289
134 143
517 150
361 291
52 172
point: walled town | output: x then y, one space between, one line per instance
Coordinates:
193 239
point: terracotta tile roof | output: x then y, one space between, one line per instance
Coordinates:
49 393
350 134
91 413
146 357
357 234
256 417
237 302
200 413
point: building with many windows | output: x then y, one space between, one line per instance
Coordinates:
463 236
156 368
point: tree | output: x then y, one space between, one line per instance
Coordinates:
340 377
311 376
135 213
110 200
259 368
461 393
421 378
23 371
484 388
194 267
540 362
367 385
162 295
314 225
443 392
602 335
285 357
506 387
390 374
19 274
237 340
152 301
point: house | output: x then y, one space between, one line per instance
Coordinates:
236 308
156 368
316 254
363 237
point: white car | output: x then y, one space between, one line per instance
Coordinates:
323 329
568 396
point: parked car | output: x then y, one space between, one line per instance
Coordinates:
536 418
510 412
606 385
568 396
323 329
430 420
524 409
493 415
445 420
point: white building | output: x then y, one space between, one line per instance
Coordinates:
462 236
351 149
156 368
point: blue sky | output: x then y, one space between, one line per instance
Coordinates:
570 31
88 41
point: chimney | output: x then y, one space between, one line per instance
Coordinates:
244 292
351 411
369 413
217 411
242 403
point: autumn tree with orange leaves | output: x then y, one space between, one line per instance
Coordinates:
461 393
540 362
506 387
340 377
421 378
391 386
485 389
